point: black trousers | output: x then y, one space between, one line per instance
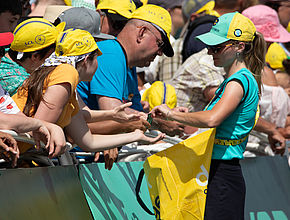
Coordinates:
226 191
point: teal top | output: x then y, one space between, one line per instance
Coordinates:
12 75
239 124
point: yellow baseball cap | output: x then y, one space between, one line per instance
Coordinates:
75 42
35 34
230 26
160 93
122 7
275 56
160 19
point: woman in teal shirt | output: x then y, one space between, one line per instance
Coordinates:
240 50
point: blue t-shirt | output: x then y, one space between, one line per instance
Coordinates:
239 124
113 78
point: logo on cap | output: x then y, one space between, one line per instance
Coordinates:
238 32
215 22
40 39
87 41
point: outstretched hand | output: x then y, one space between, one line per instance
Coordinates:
161 111
142 137
8 148
120 115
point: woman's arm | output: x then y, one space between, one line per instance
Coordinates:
117 114
82 136
55 99
231 98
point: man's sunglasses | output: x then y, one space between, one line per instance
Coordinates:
217 49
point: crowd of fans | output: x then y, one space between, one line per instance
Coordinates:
58 84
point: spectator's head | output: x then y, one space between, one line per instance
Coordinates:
5 39
34 41
226 6
282 7
114 15
232 39
147 35
77 47
267 22
175 11
190 7
53 11
10 12
160 93
90 21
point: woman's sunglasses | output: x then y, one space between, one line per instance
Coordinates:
217 49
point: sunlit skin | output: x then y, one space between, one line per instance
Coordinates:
149 48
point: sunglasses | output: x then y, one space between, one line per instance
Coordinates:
2 51
159 42
217 49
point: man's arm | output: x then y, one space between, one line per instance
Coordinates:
276 139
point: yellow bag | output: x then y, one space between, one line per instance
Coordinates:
177 178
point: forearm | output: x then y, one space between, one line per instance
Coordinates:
97 115
111 127
104 142
19 123
265 127
202 119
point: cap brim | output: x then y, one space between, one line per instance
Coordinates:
211 39
167 50
6 38
104 36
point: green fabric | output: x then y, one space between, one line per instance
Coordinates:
111 194
90 4
12 75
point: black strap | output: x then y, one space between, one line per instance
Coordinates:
141 203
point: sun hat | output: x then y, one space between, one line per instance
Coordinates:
53 11
6 38
75 42
159 18
267 22
124 8
196 6
160 93
35 34
230 26
90 21
168 4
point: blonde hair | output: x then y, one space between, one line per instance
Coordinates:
254 57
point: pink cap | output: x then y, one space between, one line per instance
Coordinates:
267 22
6 38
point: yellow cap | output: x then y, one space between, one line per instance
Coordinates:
75 42
122 7
160 93
67 2
35 34
288 27
207 7
161 19
275 56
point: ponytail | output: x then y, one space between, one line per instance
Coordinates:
254 57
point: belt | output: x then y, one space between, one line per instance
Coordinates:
230 142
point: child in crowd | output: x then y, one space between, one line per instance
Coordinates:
49 93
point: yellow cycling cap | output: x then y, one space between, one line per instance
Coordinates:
122 7
75 42
35 34
159 18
